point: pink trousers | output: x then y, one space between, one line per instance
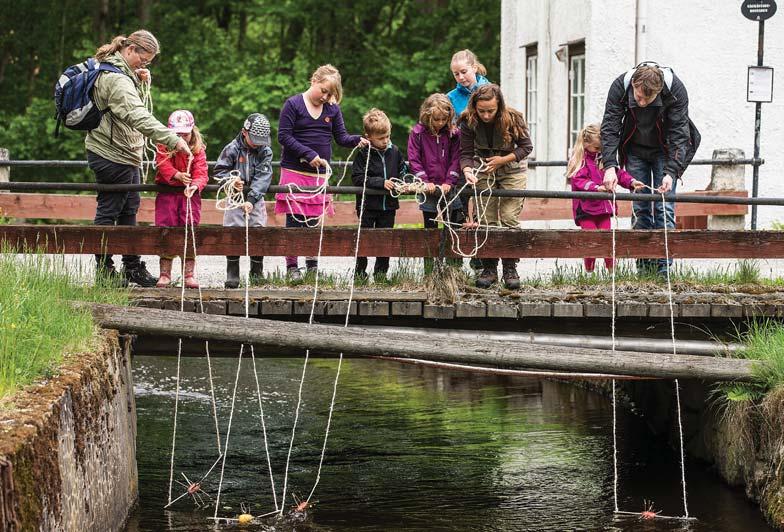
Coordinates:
596 223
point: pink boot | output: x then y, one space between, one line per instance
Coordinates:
165 278
190 268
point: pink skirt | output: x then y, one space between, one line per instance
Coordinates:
302 203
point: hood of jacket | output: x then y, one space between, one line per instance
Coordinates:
480 80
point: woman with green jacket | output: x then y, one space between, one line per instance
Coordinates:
115 148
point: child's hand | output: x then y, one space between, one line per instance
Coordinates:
637 185
470 225
430 188
468 172
238 184
445 188
189 190
363 142
389 185
318 161
601 188
183 178
247 207
494 163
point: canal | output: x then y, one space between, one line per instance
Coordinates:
413 448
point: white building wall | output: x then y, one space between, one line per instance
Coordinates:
709 45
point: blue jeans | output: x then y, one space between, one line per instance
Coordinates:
651 214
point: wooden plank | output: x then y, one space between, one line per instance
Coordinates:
568 310
82 207
276 307
273 241
438 312
406 308
237 308
631 309
470 309
374 308
502 309
339 308
328 340
535 310
597 310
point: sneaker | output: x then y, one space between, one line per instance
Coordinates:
140 276
487 278
294 274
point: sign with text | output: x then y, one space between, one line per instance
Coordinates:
758 9
759 87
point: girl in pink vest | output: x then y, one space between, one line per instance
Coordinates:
586 173
171 207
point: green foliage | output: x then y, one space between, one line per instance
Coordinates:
38 323
226 60
763 343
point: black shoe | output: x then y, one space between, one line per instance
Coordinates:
487 278
139 275
256 270
511 279
232 272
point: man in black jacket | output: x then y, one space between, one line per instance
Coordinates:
646 129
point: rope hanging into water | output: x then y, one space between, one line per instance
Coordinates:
648 513
193 488
233 199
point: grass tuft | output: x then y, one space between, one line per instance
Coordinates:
38 326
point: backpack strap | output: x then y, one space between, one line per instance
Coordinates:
667 74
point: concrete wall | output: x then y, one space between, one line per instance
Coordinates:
709 45
69 447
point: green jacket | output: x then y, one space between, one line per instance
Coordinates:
120 135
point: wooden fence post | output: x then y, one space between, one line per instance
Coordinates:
727 177
5 171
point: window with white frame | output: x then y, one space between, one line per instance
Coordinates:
576 90
531 83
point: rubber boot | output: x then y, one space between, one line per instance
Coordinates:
256 270
489 275
164 280
232 272
190 270
511 279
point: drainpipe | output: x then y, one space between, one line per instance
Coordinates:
545 57
641 32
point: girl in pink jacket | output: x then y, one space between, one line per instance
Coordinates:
586 173
171 207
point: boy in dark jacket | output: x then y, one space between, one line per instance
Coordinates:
375 166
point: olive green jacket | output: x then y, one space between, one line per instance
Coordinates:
120 135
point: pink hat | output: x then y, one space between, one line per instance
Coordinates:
181 121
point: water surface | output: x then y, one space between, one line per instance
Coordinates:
413 448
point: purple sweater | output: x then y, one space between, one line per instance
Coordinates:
303 137
434 159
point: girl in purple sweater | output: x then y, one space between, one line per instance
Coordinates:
308 123
434 157
586 172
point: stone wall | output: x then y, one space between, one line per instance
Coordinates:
68 446
745 445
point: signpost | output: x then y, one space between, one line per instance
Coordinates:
760 83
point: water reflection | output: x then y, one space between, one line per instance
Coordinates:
413 448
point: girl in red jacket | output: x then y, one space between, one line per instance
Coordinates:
586 172
174 170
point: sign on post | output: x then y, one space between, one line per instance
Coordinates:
759 84
758 10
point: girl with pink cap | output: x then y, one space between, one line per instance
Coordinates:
189 176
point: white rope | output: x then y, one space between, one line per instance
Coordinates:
345 325
149 148
674 352
613 225
228 432
307 351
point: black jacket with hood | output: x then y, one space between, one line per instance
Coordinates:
678 138
382 165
